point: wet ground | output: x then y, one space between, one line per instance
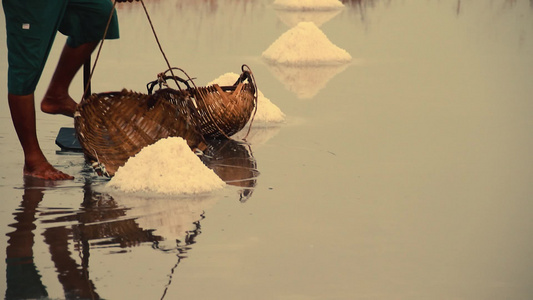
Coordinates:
406 174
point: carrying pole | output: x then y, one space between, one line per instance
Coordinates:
87 78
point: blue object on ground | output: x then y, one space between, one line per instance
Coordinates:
66 140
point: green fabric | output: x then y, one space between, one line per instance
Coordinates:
85 21
31 26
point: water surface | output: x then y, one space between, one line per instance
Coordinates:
405 174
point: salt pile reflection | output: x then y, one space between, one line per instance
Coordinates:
292 18
305 81
293 12
322 5
169 220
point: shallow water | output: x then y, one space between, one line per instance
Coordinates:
406 174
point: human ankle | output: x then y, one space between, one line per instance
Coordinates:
62 104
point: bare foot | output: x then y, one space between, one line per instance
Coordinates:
62 105
45 171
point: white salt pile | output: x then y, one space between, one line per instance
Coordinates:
168 167
308 4
267 112
305 44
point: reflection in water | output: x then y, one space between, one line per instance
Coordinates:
23 279
165 219
108 221
292 17
410 245
99 223
259 133
234 163
361 6
305 81
362 3
190 19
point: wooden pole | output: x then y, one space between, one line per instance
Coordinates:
87 78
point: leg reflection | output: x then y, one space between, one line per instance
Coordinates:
23 279
73 277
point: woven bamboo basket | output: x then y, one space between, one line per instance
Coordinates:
222 110
112 127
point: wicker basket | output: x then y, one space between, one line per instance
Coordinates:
222 110
114 126
111 127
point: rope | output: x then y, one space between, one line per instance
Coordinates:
159 44
88 84
256 96
170 68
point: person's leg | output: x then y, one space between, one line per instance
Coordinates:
31 27
57 99
84 22
23 116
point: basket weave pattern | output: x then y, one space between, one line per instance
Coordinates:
224 111
112 127
220 111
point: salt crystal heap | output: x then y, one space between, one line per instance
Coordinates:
308 4
267 112
167 167
305 44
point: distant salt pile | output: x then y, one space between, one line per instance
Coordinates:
267 111
308 4
305 44
167 167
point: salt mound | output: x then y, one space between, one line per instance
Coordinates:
168 167
305 44
266 111
308 4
